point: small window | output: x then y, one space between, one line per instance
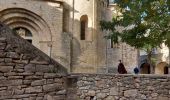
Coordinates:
24 33
83 30
111 43
83 27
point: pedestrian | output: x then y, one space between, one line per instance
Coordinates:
136 70
121 68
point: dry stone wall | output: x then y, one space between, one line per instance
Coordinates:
26 73
123 87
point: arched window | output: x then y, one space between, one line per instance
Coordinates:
166 70
24 33
83 27
145 68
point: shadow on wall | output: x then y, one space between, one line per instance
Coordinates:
80 42
81 51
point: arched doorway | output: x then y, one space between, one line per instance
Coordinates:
145 68
161 68
83 27
166 70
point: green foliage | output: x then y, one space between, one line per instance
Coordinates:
147 23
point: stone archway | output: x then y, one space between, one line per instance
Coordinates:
19 17
161 68
145 68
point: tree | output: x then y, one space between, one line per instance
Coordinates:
146 23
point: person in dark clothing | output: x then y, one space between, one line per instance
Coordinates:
136 70
121 68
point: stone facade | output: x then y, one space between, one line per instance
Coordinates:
123 87
55 25
44 19
26 73
58 35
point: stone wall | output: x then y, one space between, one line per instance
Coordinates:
44 19
26 73
123 87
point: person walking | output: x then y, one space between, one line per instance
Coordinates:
136 70
121 68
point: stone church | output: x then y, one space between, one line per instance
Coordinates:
69 32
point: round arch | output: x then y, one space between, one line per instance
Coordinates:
145 68
161 68
19 17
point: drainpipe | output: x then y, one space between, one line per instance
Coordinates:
71 41
169 56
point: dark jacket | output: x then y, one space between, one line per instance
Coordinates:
121 69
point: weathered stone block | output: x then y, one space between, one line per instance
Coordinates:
60 81
52 87
61 92
23 96
39 73
19 70
101 95
5 93
41 62
12 55
21 61
114 91
50 81
38 82
27 82
19 92
39 98
26 74
2 59
163 98
50 75
110 98
15 77
8 60
59 97
33 77
3 88
2 46
91 93
1 74
44 68
36 89
19 66
2 78
2 39
131 93
30 68
14 82
6 69
2 54
32 98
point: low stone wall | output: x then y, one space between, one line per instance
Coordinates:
32 86
26 73
123 87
